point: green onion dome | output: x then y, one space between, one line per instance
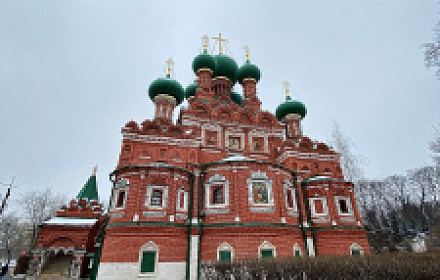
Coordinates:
190 90
226 66
166 86
290 107
248 70
203 60
236 97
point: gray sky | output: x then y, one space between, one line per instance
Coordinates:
72 73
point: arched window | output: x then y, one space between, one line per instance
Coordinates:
266 250
225 253
148 259
297 250
356 250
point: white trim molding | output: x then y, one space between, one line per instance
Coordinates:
216 180
225 246
149 247
324 206
148 198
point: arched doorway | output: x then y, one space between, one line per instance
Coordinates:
58 265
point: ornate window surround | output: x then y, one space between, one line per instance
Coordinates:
266 245
260 177
185 200
297 248
356 247
148 247
216 128
240 135
348 203
149 196
216 180
288 187
120 185
253 135
225 246
324 206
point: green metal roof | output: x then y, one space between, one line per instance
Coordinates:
89 190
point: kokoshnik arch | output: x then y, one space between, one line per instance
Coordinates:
227 181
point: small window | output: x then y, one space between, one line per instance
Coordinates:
234 142
319 206
266 253
289 198
266 250
344 205
156 198
225 256
296 250
260 192
217 192
121 199
356 250
148 263
148 258
217 195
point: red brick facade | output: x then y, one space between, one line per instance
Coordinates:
231 175
224 177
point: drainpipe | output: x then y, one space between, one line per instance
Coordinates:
191 203
199 202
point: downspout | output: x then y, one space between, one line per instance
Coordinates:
199 202
306 205
191 204
304 234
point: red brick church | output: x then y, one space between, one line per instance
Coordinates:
227 181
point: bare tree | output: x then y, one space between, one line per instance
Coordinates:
432 51
39 206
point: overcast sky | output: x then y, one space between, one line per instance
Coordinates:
72 73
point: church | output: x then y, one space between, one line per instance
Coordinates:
226 181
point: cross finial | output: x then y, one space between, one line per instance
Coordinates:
170 64
246 51
205 40
220 40
286 88
95 170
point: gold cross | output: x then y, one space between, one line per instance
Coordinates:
220 40
286 88
205 40
170 64
246 50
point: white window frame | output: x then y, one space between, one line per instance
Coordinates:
288 187
229 135
225 246
324 206
149 197
120 185
348 203
297 248
216 180
185 200
266 245
260 177
216 128
265 143
148 247
355 246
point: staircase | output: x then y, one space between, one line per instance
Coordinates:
57 268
